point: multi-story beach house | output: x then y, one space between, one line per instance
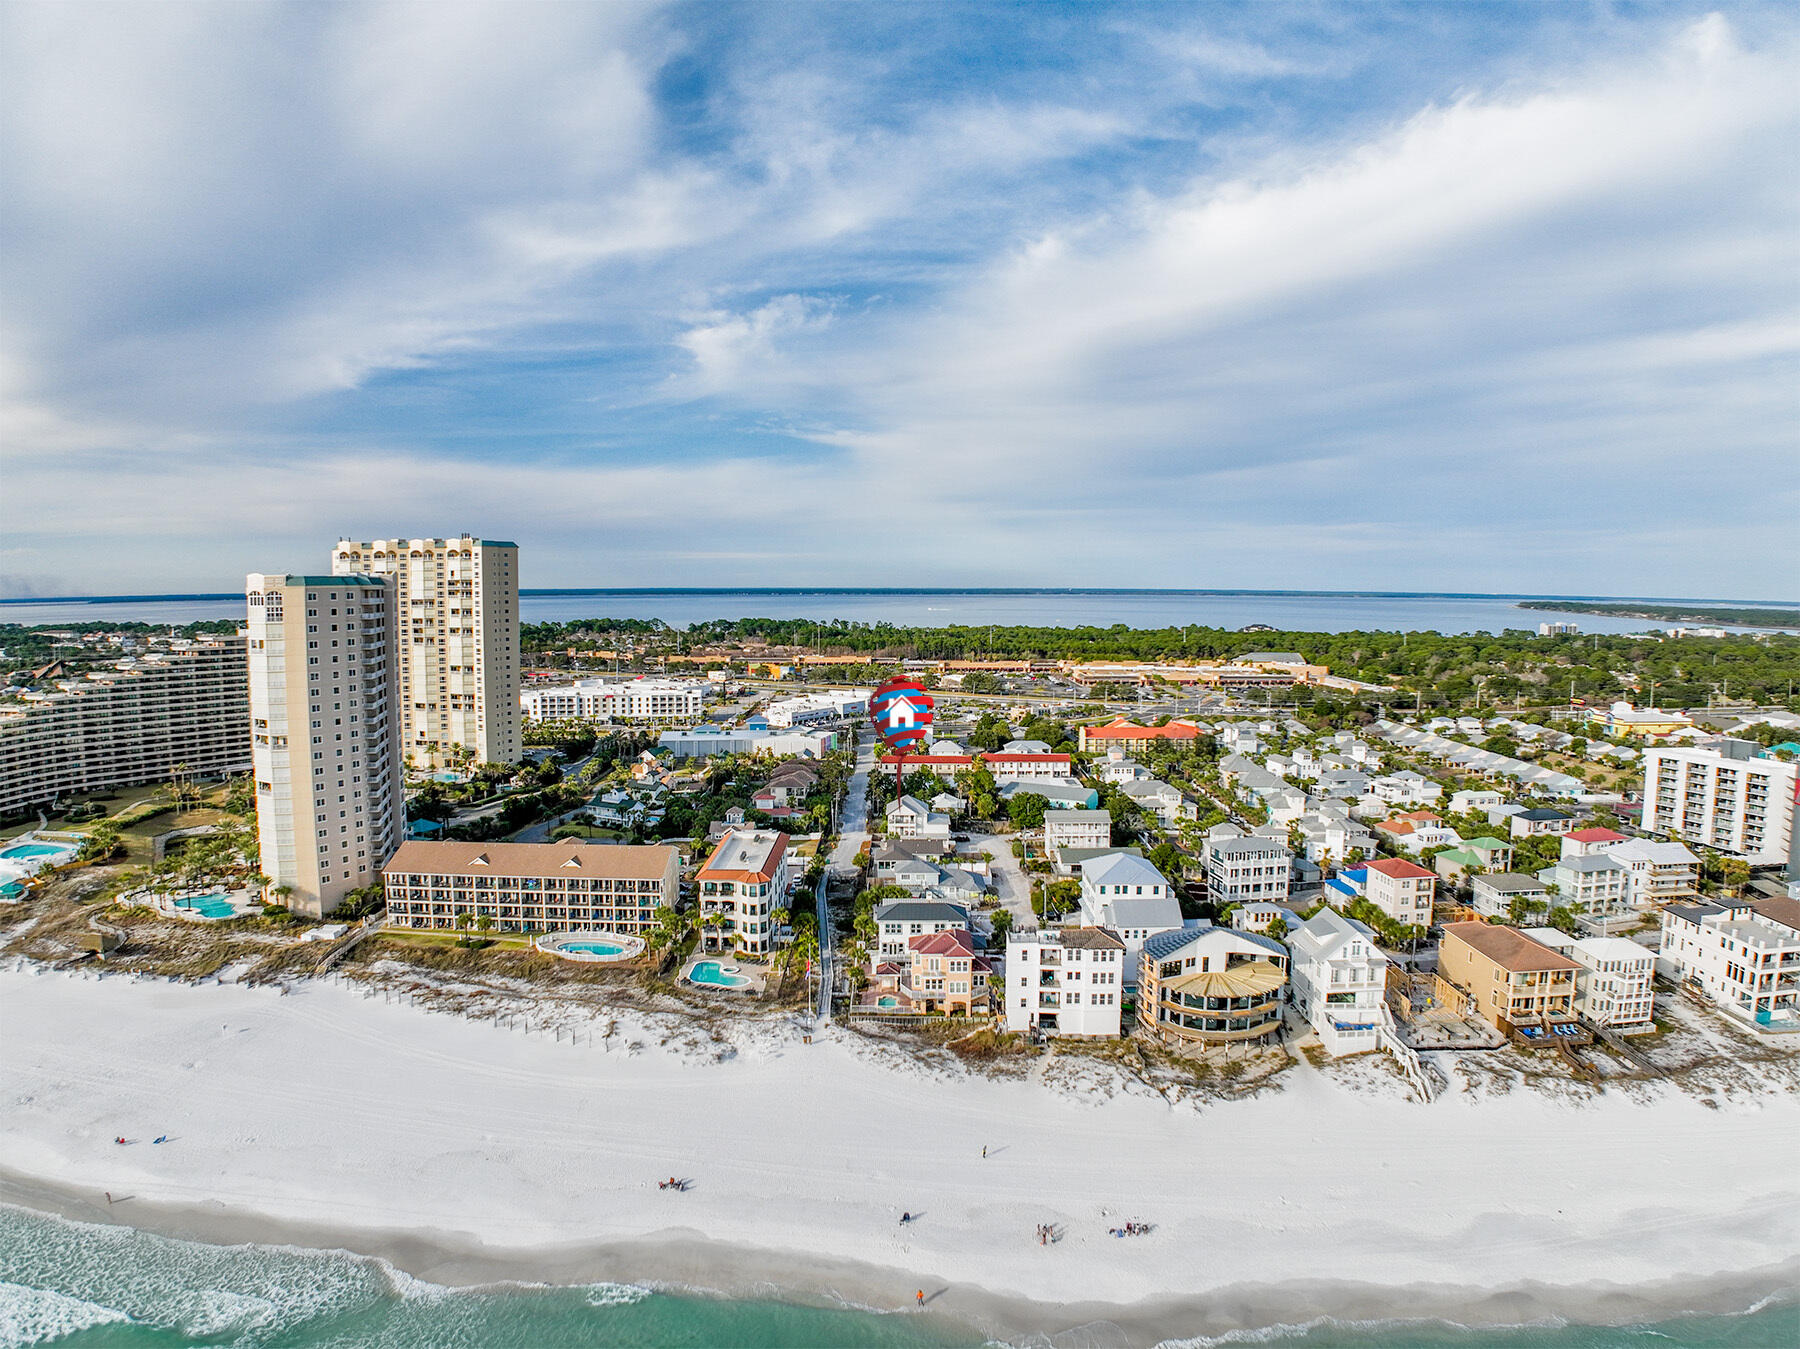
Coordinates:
1075 829
1245 867
1613 986
324 742
898 923
1504 977
530 887
1537 822
739 886
181 708
1126 894
1592 884
1210 985
458 616
632 700
1656 873
936 973
1403 890
1743 954
1065 981
1494 896
1726 794
910 817
1339 978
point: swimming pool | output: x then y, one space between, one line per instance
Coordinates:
595 948
887 1002
715 975
35 850
592 945
208 906
11 890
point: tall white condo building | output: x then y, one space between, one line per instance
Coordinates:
330 796
459 643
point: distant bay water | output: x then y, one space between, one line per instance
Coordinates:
1284 610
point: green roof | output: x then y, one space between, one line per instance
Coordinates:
1485 842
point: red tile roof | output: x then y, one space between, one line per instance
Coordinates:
952 941
1399 870
1595 836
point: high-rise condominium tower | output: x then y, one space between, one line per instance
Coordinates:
459 643
330 796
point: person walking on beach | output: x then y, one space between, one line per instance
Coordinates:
984 1152
109 1198
920 1296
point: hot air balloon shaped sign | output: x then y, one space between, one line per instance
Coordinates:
901 711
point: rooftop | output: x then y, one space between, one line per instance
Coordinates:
527 860
1508 948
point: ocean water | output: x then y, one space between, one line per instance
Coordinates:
92 1287
1287 610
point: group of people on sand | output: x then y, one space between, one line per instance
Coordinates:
123 1141
1131 1229
672 1184
1046 1233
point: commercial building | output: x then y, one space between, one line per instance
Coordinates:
1743 954
330 796
700 741
1622 719
815 709
184 707
1209 985
1015 766
1613 986
740 885
1339 978
530 887
1725 794
1504 977
1065 981
458 614
1125 734
641 700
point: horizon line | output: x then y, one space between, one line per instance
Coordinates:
549 591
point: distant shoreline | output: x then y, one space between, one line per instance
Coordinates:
1774 619
1525 600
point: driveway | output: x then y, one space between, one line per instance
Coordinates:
1012 887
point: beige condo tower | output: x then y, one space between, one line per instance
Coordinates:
330 799
458 602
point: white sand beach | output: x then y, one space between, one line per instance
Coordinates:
466 1151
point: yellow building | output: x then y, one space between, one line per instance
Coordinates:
1504 977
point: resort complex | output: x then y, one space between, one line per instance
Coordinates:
530 887
180 707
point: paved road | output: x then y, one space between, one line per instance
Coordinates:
853 824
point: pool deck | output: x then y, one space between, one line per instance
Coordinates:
757 978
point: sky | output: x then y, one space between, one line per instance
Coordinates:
1470 297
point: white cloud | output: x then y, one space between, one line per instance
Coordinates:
1022 345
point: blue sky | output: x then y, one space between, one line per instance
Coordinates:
1460 296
